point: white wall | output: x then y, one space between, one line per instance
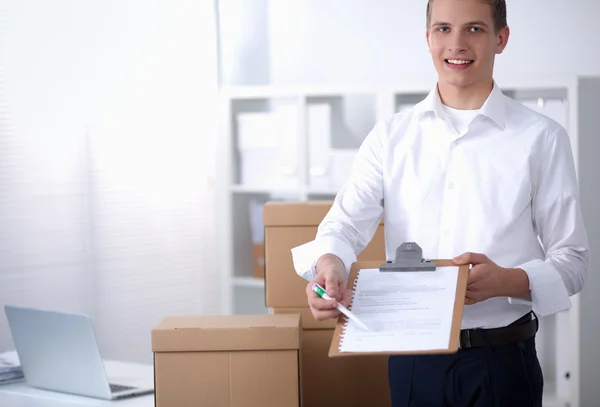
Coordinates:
243 33
364 41
108 201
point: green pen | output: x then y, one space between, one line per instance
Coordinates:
323 294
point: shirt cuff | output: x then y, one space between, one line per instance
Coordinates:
548 292
305 257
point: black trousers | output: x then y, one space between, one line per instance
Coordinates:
508 375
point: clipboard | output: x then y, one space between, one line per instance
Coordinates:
408 258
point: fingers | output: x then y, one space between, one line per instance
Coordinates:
323 309
475 274
319 279
314 300
470 298
323 315
342 287
332 283
320 308
334 271
346 298
474 294
318 303
471 258
332 278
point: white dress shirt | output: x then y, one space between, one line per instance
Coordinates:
504 186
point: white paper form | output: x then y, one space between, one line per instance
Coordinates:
405 311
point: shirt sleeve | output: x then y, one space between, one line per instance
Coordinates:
355 214
559 223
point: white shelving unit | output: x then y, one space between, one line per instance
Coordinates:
249 282
353 112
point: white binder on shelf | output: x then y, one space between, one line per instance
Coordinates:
319 144
268 148
286 127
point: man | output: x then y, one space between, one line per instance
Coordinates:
472 175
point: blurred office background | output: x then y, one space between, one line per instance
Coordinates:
109 159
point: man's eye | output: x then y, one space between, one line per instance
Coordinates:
475 29
443 29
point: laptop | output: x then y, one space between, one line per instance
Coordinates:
58 351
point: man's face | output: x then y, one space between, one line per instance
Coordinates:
463 41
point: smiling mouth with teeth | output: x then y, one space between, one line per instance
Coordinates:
458 61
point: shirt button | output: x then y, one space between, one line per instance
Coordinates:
451 185
457 142
447 233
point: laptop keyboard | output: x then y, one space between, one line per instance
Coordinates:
116 388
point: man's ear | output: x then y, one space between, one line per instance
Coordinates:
427 39
502 40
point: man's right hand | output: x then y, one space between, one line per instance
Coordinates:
332 277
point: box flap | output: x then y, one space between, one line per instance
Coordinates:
307 320
301 213
226 333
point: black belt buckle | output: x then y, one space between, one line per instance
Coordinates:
465 339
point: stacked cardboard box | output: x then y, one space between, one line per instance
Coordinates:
349 381
227 361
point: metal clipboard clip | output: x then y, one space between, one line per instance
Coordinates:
409 257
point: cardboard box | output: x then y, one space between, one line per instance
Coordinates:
307 321
232 361
258 259
288 225
351 382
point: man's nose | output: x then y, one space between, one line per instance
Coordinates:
458 43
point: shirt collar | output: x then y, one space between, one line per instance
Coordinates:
494 106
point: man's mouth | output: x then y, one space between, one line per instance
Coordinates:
459 61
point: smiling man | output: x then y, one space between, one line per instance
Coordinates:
475 176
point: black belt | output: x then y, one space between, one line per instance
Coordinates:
520 330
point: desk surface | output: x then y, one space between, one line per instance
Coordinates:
19 394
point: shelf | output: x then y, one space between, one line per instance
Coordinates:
263 92
267 92
322 191
254 282
244 189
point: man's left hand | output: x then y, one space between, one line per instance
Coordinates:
486 279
